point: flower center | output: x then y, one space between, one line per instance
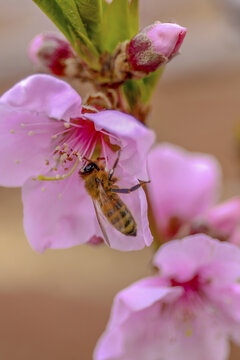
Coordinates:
192 285
77 142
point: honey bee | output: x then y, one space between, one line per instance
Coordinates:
101 186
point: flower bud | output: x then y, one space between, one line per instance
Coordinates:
49 51
155 45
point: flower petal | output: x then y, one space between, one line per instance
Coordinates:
57 214
135 137
27 126
225 217
183 185
181 260
23 150
148 323
135 300
46 95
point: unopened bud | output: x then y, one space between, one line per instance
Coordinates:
49 52
155 45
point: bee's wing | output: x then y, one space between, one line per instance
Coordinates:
100 222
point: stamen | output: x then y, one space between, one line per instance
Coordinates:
67 125
60 133
104 152
12 131
76 125
59 177
30 133
110 135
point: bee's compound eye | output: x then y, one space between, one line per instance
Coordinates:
88 168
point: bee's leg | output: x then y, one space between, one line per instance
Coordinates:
131 189
111 172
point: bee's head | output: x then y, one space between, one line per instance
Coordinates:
89 168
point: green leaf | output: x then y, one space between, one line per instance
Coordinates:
91 13
65 14
120 23
134 18
141 90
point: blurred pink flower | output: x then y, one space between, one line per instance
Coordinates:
45 133
223 220
190 310
155 45
183 186
49 51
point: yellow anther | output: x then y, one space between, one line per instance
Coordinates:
67 125
12 131
188 333
30 133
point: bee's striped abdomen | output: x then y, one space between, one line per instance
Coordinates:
119 215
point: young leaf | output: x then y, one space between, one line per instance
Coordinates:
133 18
65 15
91 13
120 23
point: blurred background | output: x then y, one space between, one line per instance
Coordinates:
55 306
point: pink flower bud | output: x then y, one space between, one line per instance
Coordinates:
49 51
155 45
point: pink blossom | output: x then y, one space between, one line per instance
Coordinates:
49 51
46 135
190 310
183 186
155 45
224 220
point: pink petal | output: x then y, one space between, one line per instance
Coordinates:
57 214
181 260
135 300
183 185
27 125
146 329
216 263
23 150
140 296
225 217
136 139
46 95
